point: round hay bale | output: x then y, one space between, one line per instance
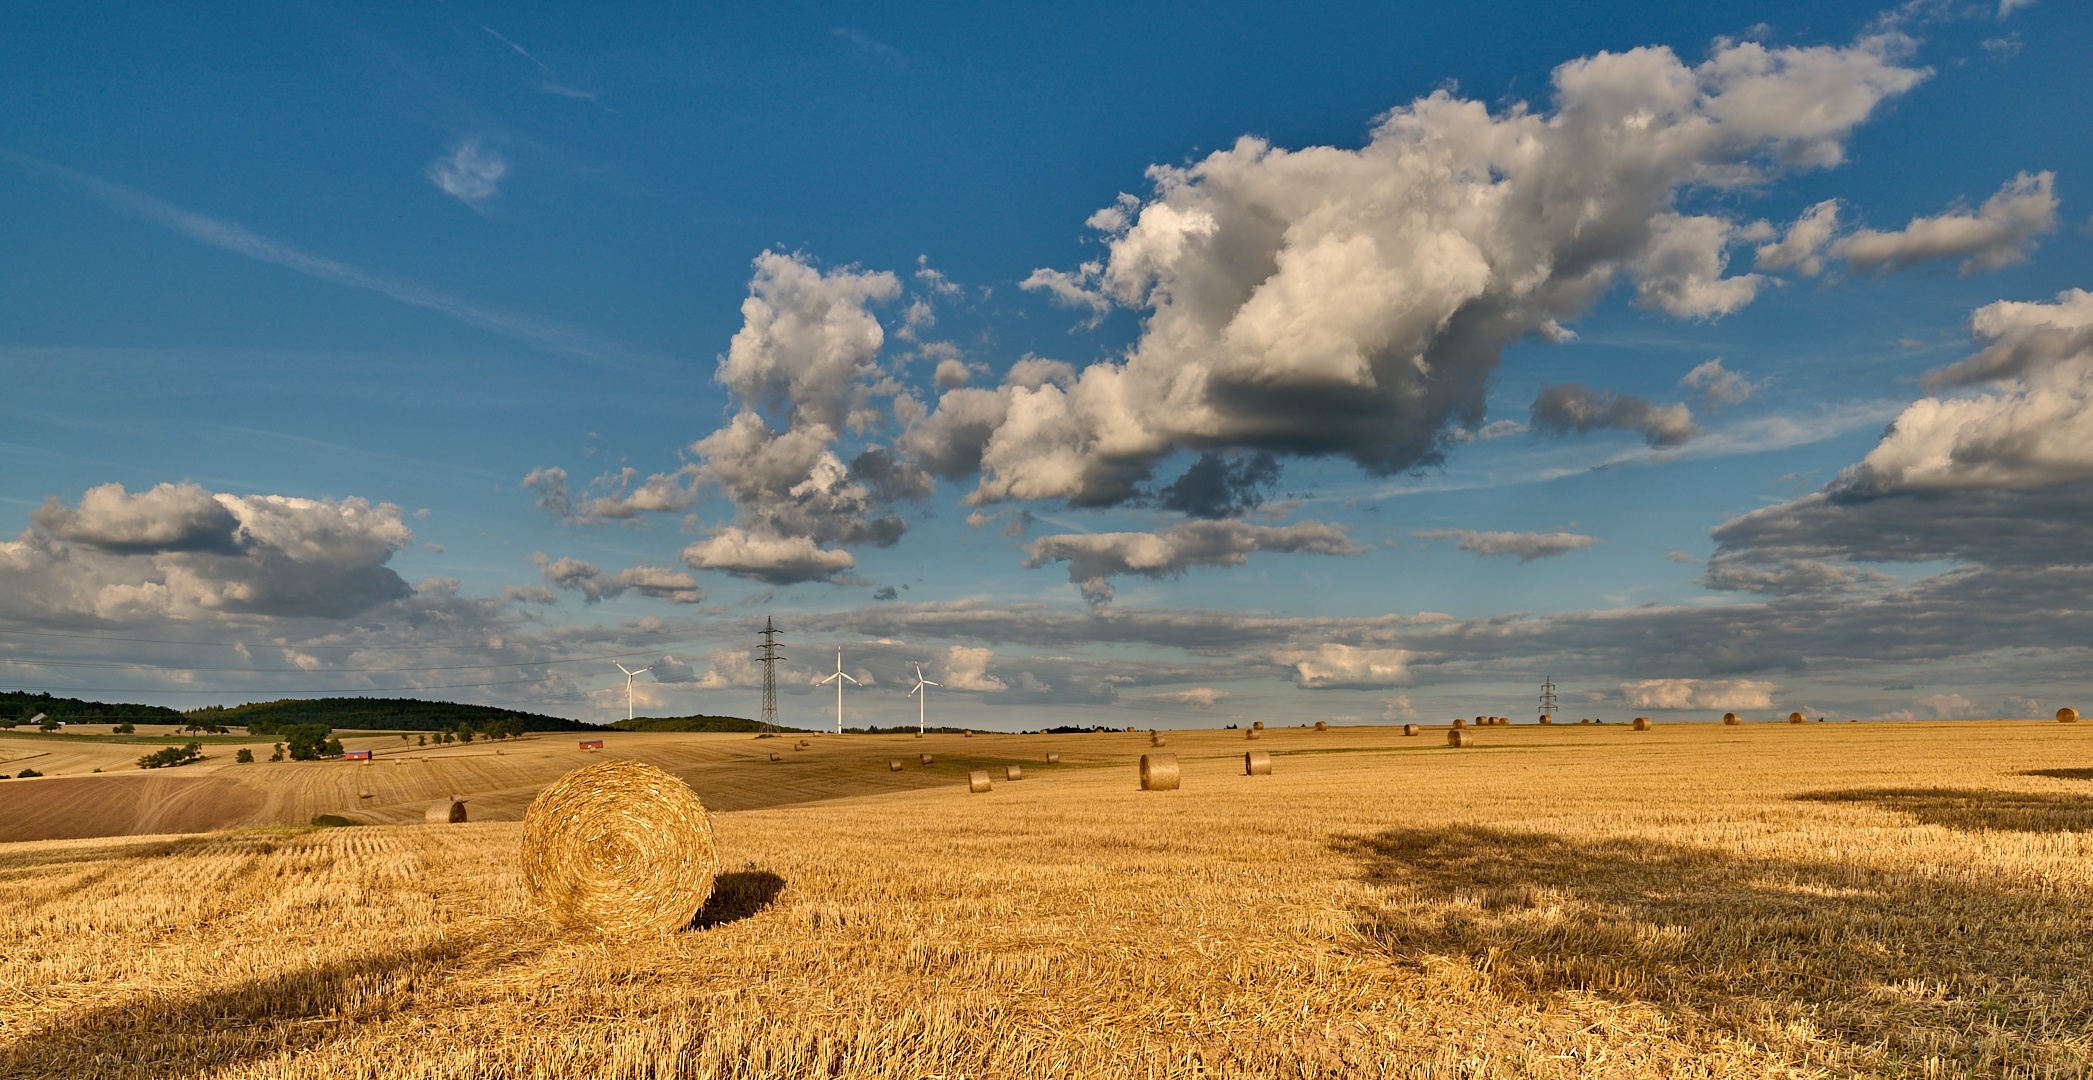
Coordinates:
449 811
968 734
919 734
363 794
1481 720
1459 737
777 757
1459 723
1547 719
1410 729
2067 716
1642 723
926 758
1013 772
1159 772
1258 726
1252 733
1730 718
620 847
1322 725
1257 763
977 781
1797 718
1158 740
894 765
1053 759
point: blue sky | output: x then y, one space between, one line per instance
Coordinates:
1516 342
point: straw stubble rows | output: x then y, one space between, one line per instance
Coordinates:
1547 903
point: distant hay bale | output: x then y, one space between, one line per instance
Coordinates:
919 734
1731 719
1459 723
894 765
1158 740
1410 729
1013 772
1053 759
363 794
1459 737
926 758
968 734
1159 772
1547 719
449 811
1642 723
1258 726
2067 716
1257 763
620 847
1481 720
977 781
803 744
1322 725
1797 718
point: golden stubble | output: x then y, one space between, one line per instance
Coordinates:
1693 900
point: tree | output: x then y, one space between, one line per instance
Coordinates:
245 756
422 740
278 755
125 728
26 773
332 749
306 742
172 755
49 724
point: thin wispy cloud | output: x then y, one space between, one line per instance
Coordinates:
228 236
470 173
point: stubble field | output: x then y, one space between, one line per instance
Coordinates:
1776 900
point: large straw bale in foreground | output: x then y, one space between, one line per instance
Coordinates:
1410 729
1159 772
1257 763
977 781
1642 723
619 847
1459 737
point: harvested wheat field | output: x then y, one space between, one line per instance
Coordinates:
1692 900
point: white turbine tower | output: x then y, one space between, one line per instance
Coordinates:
921 682
628 684
838 678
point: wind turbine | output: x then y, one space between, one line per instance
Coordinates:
628 684
838 678
921 682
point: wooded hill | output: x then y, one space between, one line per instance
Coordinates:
22 706
379 714
699 723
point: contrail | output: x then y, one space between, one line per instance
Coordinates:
240 241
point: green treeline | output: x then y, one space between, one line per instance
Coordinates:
380 714
696 723
20 707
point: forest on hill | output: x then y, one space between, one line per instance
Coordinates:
21 706
378 714
698 723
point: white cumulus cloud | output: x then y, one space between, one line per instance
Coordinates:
1527 546
1726 694
470 173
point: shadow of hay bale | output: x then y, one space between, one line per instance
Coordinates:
2061 774
738 896
1972 810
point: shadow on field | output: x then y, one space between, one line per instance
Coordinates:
2061 774
1973 811
171 1035
1782 953
737 896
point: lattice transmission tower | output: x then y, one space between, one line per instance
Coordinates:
769 660
1548 696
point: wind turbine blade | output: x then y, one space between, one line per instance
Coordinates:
853 682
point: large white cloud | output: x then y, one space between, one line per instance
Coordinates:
179 551
1354 302
1699 694
1334 666
1093 558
